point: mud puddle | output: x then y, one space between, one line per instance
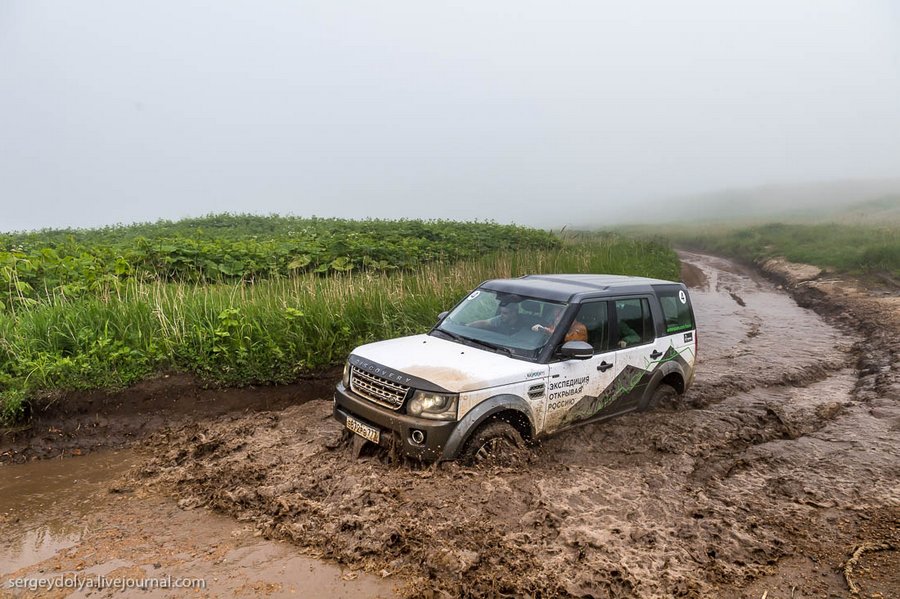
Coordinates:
77 519
764 479
30 497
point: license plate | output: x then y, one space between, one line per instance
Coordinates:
363 430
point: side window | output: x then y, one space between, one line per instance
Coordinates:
595 318
676 307
635 322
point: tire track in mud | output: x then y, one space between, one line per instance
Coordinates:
770 455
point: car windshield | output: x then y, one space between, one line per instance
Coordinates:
513 324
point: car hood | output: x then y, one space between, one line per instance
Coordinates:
446 364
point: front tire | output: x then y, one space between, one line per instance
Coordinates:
495 442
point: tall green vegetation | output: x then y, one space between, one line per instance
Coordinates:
246 330
39 266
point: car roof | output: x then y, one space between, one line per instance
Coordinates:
569 288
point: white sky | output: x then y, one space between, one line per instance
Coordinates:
541 113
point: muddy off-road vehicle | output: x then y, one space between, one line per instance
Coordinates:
519 359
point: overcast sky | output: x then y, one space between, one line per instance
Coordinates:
541 113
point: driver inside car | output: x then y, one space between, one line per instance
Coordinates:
508 322
577 332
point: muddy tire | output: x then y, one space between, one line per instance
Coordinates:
495 442
662 395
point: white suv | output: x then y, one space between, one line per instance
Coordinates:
518 359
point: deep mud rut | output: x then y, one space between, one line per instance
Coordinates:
780 462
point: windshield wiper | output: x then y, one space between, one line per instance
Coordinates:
489 345
454 336
468 340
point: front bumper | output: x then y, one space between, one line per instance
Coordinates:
395 428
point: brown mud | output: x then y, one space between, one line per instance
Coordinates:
76 423
766 478
76 518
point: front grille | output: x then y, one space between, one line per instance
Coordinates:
374 388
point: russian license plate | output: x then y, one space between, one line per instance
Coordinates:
363 430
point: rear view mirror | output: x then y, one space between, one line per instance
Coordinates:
443 315
577 349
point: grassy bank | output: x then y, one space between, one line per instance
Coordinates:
855 249
267 331
847 248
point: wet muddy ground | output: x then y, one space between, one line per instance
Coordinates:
78 517
778 465
79 422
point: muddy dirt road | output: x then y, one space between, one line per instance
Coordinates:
780 462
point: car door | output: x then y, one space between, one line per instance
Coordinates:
637 355
577 388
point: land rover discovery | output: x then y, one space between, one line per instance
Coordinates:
519 359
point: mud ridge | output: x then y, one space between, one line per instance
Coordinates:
78 422
850 309
704 394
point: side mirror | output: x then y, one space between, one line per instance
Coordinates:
577 349
443 315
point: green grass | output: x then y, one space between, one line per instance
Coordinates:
267 331
36 266
850 248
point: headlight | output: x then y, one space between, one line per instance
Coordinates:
346 378
436 406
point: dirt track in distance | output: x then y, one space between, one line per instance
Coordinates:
779 463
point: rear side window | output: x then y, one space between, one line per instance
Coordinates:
635 324
676 307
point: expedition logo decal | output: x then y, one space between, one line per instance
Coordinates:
563 393
624 383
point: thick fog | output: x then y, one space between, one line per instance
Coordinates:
542 113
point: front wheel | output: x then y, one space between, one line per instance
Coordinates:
495 442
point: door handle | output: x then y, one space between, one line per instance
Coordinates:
656 354
603 367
